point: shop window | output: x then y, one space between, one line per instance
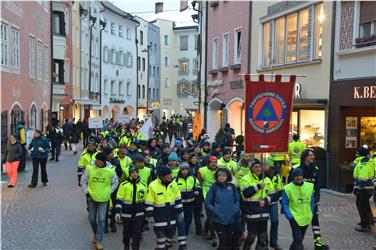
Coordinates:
368 131
312 127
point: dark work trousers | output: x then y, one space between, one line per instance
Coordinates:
55 151
298 233
80 171
315 223
256 229
66 142
22 165
36 162
225 236
132 229
182 237
209 224
85 140
363 206
197 214
274 222
164 236
188 215
111 215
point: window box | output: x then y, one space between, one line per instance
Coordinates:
223 69
213 71
236 66
365 41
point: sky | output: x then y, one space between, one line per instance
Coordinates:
145 8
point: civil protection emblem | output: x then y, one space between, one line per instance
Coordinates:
267 112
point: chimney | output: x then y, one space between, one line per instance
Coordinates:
158 7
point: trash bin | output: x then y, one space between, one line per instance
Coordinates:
320 157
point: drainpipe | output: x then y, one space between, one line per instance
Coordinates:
103 24
136 41
206 69
51 64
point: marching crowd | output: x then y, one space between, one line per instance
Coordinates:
142 183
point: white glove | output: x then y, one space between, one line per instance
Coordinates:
117 217
151 220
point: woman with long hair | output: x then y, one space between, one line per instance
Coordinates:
13 153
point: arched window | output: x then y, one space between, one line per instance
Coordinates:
33 117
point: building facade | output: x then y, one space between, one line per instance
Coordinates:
187 62
89 99
294 38
25 65
62 89
171 25
353 88
119 68
143 71
153 40
227 56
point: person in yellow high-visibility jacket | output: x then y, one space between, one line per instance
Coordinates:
295 150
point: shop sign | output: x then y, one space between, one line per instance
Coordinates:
298 91
364 92
237 84
214 83
167 101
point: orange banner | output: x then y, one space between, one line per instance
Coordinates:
196 125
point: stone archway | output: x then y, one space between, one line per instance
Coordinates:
235 111
106 112
214 117
115 111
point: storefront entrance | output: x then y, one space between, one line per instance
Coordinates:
358 128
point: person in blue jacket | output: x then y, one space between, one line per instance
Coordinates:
222 201
39 148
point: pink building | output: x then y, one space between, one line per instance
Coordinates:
227 56
25 64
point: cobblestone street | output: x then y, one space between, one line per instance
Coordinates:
55 217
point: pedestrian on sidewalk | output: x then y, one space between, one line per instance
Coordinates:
56 138
39 148
74 138
67 131
298 206
222 201
98 182
12 156
21 137
130 208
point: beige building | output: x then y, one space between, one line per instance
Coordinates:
295 38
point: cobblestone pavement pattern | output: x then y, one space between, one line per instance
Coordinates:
55 217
